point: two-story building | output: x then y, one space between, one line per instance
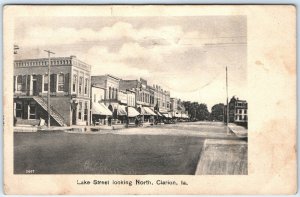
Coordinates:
69 80
100 112
111 91
177 109
143 95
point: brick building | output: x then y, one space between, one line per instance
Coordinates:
110 84
69 89
238 111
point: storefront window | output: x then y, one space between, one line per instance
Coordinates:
85 111
79 110
19 108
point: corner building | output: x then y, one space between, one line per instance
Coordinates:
69 90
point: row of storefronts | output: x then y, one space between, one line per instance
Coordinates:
77 98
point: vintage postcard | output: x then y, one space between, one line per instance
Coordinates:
152 99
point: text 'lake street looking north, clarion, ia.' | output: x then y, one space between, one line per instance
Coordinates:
136 182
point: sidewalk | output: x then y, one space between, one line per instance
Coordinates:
221 157
239 131
69 129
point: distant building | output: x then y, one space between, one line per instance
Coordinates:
111 85
120 102
161 99
69 89
238 111
99 111
177 109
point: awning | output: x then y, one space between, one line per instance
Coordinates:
167 115
148 111
159 114
132 112
100 109
185 116
122 110
178 115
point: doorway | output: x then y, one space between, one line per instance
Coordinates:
74 113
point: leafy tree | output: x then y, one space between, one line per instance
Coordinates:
197 111
202 112
217 112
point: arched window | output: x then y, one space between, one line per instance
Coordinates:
61 82
113 93
19 83
46 81
74 83
109 93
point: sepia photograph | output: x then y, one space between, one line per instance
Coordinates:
149 99
130 95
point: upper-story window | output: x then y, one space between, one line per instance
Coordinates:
74 83
46 81
61 81
80 84
86 86
112 93
116 93
95 98
109 92
19 83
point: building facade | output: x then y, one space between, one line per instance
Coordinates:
177 108
110 84
69 89
162 99
238 111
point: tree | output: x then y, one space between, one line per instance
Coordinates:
217 112
196 111
202 112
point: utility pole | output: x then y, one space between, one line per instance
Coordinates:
48 93
227 110
127 116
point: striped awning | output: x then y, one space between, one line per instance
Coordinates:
159 114
100 109
148 111
132 112
122 110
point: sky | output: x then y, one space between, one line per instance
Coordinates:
185 55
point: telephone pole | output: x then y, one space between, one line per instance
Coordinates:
48 92
227 110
